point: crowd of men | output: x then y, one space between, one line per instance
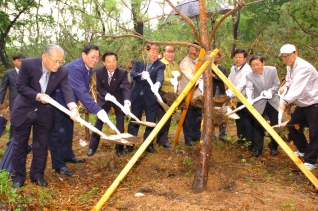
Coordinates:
37 80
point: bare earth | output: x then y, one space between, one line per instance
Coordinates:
237 181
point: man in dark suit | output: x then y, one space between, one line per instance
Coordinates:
219 89
37 81
142 95
113 80
79 76
9 80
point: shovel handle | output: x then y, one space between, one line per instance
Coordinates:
156 93
243 106
121 107
79 119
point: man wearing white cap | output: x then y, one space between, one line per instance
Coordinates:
302 87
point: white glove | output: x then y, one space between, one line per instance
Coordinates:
250 100
110 97
155 87
267 94
145 75
201 86
126 108
229 93
174 82
102 115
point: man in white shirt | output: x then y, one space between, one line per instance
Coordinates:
238 78
301 87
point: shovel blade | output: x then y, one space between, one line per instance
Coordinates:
233 115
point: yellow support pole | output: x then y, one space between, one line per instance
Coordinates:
152 135
268 128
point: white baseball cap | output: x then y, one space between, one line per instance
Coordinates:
288 48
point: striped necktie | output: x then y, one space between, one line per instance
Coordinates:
110 76
44 81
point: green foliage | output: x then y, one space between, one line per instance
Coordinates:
88 195
7 193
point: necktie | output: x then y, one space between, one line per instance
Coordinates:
110 76
44 81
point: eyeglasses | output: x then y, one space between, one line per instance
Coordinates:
287 56
55 61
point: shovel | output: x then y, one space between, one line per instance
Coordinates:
243 106
114 138
159 99
280 112
109 97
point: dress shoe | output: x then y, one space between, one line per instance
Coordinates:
151 149
120 153
76 160
197 140
65 170
17 185
274 152
40 182
166 145
129 149
190 143
90 152
256 153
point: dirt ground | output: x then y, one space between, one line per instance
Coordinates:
236 181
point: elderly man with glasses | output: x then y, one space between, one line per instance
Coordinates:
37 81
301 87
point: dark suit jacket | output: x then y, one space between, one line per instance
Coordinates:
119 86
217 82
28 86
156 75
9 79
79 78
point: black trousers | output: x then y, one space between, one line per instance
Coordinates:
162 136
120 116
192 124
244 125
258 142
61 139
20 149
303 117
140 104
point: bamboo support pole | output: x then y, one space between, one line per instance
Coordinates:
152 135
268 128
187 102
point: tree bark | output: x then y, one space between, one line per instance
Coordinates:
201 175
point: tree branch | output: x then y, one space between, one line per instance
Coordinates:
304 30
240 5
188 20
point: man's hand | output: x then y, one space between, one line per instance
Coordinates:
155 87
229 93
250 100
102 115
145 75
126 108
74 114
110 97
44 98
174 82
282 90
267 94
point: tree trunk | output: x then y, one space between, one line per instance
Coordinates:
2 53
201 175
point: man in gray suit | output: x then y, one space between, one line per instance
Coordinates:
263 81
9 80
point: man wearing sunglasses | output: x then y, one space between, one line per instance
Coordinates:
301 87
